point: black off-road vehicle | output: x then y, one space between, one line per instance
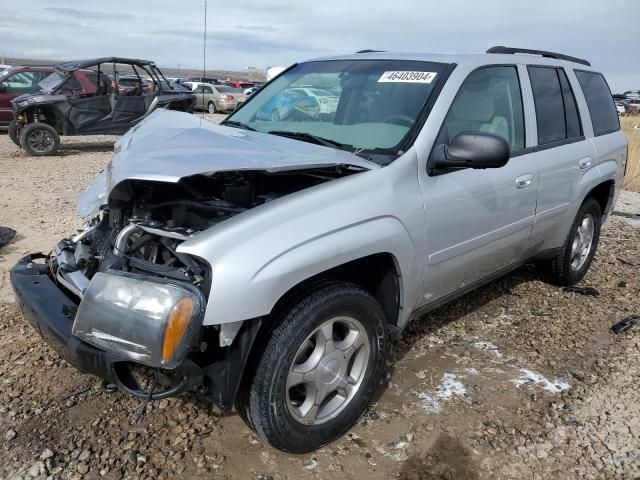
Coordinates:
83 98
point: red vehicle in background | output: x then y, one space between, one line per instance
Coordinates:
240 85
16 81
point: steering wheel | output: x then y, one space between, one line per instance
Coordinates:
400 119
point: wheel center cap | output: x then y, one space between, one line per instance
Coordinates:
332 370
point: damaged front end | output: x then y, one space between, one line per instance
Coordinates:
130 294
122 300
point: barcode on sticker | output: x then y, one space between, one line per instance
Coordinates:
407 77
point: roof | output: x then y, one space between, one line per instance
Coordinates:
470 59
78 64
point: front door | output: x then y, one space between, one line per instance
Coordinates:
479 221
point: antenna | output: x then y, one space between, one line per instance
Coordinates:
204 55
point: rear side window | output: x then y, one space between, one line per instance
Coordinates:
572 118
556 111
602 109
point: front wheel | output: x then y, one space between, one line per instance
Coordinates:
39 139
571 264
13 132
212 107
318 370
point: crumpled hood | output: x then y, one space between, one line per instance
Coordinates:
167 146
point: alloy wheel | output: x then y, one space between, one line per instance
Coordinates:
41 141
327 370
582 242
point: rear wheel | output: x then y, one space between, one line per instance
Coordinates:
39 139
211 107
318 371
13 132
574 259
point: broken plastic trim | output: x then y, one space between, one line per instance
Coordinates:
590 291
625 324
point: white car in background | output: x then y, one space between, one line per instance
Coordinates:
328 101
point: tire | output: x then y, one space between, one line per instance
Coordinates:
211 107
273 398
569 267
13 132
39 139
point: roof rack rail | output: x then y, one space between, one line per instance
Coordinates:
557 56
370 51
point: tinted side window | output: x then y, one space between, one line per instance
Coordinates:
207 89
488 101
600 102
572 118
22 82
547 97
198 89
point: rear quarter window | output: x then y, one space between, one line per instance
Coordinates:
602 109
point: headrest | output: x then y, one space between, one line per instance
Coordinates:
473 106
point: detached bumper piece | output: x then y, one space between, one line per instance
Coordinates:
51 313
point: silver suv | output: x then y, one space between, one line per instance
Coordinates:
268 261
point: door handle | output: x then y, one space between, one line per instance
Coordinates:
584 163
524 180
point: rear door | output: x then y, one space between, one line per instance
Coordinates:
88 112
609 142
479 221
562 152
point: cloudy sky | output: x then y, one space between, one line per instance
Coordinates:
263 33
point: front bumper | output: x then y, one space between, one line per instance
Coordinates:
50 312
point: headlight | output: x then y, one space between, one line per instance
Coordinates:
140 318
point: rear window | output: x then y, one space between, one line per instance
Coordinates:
224 88
556 112
602 109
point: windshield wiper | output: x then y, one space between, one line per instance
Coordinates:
304 136
234 123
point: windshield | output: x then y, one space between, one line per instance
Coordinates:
359 105
52 81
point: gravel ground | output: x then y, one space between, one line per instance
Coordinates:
516 380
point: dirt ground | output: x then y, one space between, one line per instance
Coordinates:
518 380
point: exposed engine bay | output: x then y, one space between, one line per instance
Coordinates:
145 221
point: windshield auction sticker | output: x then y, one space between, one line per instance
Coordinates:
407 77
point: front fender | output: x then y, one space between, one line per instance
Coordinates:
247 284
258 256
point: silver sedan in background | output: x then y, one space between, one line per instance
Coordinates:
217 98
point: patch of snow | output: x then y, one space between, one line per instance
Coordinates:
450 387
428 404
311 464
488 347
527 376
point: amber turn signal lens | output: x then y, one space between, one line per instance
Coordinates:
176 326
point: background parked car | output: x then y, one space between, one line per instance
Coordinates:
288 103
239 84
16 81
208 80
217 98
127 84
251 90
327 101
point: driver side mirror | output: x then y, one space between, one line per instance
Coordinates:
472 150
3 88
